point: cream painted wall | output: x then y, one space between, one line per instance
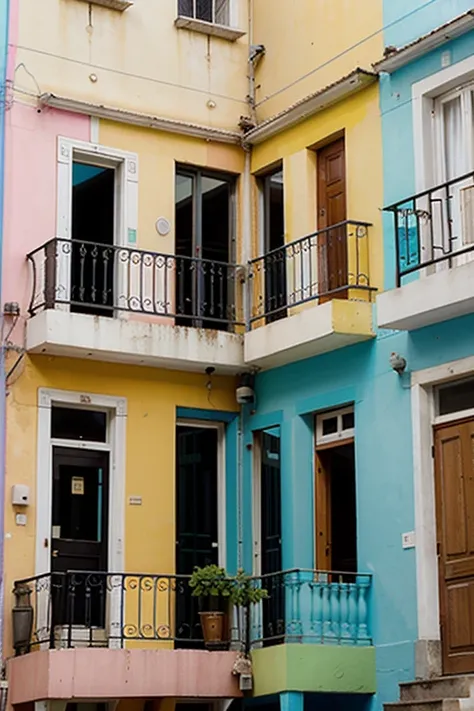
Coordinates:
304 36
142 62
358 117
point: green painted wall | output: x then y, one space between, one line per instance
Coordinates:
314 667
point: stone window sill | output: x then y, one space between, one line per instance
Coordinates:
208 28
119 5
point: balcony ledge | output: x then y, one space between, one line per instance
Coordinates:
98 674
322 668
139 342
428 300
313 330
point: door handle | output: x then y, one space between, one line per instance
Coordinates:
55 554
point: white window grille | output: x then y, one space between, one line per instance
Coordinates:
214 11
335 425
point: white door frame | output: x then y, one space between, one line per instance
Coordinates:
125 165
116 408
423 419
221 483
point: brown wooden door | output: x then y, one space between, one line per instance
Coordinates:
454 474
323 511
332 244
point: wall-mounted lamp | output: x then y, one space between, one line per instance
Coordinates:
245 393
397 363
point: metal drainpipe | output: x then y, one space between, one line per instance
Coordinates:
251 69
240 476
2 354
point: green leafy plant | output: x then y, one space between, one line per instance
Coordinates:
245 592
210 581
213 581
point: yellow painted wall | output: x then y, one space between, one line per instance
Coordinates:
158 154
142 62
152 396
358 117
315 38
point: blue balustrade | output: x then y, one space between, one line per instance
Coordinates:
309 606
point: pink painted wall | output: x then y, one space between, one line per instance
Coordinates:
30 190
121 674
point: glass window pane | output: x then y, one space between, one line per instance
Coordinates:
184 218
185 7
222 12
348 421
275 211
329 426
456 397
453 139
204 10
69 423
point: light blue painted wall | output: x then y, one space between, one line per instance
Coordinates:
406 20
397 132
385 504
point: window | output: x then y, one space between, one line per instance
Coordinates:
454 158
454 146
214 11
455 397
205 277
334 426
272 191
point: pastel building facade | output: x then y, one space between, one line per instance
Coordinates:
194 202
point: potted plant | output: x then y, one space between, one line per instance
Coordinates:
216 591
213 587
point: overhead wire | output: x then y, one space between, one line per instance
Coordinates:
208 92
329 61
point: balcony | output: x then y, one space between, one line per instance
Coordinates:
434 257
127 305
111 636
310 296
107 636
313 633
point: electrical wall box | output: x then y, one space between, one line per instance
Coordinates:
20 495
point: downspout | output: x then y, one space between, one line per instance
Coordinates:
3 80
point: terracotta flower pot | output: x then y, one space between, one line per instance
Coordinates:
213 629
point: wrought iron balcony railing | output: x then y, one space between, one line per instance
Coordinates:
93 609
103 279
313 606
434 229
330 263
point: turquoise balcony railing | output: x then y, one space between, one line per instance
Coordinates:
310 606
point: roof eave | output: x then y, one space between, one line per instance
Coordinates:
457 27
311 105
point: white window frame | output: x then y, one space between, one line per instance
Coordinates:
424 93
233 18
221 482
116 408
341 434
424 417
125 165
428 141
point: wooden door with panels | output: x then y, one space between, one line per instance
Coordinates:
332 244
454 485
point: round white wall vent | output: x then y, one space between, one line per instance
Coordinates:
162 226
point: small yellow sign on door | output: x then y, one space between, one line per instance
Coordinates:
77 485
